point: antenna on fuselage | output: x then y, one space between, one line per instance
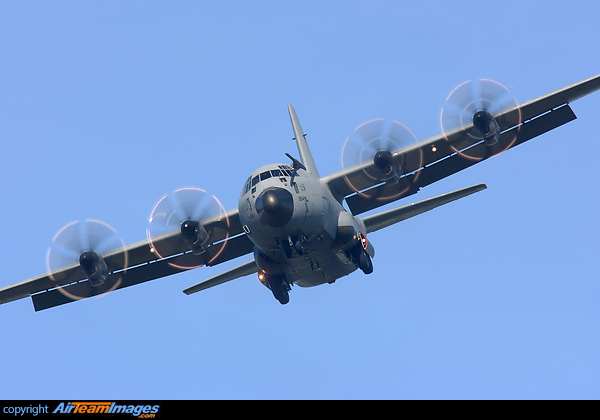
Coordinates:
296 164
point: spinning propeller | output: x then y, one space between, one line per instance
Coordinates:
376 140
83 244
185 209
478 103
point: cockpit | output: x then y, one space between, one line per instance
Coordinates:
282 172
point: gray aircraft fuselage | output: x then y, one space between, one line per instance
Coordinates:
278 209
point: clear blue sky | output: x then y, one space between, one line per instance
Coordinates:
105 106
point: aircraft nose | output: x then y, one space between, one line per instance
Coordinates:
275 206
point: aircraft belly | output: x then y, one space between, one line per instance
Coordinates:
319 265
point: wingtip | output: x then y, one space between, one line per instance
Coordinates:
191 290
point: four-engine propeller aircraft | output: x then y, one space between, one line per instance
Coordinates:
290 218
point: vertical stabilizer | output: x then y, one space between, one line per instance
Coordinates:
305 155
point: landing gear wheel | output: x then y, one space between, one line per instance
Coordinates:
362 258
365 263
279 289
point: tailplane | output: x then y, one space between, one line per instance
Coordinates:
388 218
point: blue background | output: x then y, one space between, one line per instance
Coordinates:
105 106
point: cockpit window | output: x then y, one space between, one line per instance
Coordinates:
283 171
247 185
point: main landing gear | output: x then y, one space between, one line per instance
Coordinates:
279 287
361 258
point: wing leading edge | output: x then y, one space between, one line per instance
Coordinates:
390 217
135 264
422 164
445 154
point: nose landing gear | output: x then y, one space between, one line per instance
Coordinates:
298 245
292 242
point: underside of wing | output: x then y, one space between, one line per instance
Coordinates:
372 184
156 257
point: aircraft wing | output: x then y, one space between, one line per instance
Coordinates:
364 188
143 261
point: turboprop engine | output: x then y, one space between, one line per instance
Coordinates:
487 126
94 267
195 235
96 248
195 212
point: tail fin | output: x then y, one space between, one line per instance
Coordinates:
305 155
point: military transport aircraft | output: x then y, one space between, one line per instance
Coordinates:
300 227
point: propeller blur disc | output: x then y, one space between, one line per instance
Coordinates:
184 209
376 140
76 239
462 106
372 136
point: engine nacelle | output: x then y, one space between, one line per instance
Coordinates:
195 235
383 161
94 267
487 125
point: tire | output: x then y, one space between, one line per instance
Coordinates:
365 263
362 259
279 290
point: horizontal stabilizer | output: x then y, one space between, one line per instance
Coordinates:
388 218
241 271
